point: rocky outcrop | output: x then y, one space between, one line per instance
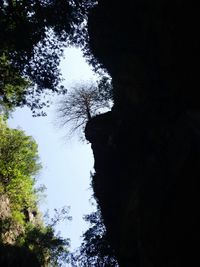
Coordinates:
146 183
5 206
9 229
11 253
147 149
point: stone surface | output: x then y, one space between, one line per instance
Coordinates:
147 150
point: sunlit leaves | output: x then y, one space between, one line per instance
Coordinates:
19 163
45 244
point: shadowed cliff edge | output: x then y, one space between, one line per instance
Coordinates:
147 149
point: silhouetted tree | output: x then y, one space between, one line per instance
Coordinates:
95 249
32 37
12 87
81 104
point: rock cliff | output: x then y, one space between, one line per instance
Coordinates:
147 149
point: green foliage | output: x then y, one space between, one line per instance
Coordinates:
32 37
45 244
20 221
19 163
12 86
41 239
5 225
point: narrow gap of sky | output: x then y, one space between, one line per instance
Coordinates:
66 164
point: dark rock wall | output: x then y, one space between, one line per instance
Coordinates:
150 48
147 150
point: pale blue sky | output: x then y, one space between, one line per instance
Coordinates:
66 163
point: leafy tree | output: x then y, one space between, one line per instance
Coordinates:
12 87
49 248
19 163
105 89
95 249
42 240
81 104
22 224
32 37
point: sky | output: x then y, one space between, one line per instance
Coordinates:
67 163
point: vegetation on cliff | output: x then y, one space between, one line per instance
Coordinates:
95 249
147 148
21 223
82 103
32 38
19 165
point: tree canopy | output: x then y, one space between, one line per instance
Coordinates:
21 223
12 86
19 163
32 37
95 249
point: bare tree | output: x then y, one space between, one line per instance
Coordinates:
80 104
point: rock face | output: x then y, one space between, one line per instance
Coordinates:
147 150
5 206
12 255
9 230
